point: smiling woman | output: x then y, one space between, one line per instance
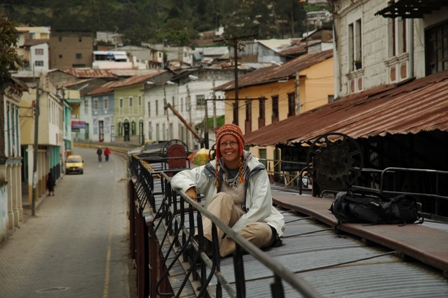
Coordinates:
239 194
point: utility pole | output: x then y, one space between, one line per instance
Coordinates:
236 46
36 143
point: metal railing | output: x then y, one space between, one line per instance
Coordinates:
171 223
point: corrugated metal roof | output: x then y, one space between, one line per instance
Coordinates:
106 88
419 105
87 73
33 42
135 80
274 73
132 72
70 84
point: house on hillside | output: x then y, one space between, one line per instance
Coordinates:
71 49
390 88
33 50
262 51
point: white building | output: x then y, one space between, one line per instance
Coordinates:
390 50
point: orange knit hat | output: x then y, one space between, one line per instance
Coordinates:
229 129
234 130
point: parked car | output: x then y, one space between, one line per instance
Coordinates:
74 164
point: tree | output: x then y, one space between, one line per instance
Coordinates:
9 60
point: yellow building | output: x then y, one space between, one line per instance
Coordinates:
274 93
50 137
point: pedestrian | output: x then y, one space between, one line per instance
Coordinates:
50 184
237 190
99 152
107 153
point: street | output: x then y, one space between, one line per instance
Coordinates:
77 244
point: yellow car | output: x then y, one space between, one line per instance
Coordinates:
74 164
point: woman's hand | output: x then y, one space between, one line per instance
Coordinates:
191 192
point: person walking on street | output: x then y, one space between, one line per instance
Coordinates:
237 190
50 185
107 153
99 152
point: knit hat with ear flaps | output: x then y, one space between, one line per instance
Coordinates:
234 130
229 129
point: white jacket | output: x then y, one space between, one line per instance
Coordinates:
258 193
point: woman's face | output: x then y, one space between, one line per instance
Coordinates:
229 149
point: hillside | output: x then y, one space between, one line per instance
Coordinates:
177 21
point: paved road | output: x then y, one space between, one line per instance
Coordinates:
77 244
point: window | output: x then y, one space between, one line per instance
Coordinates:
78 56
139 101
149 109
32 35
39 63
133 131
38 51
248 111
355 44
120 129
200 101
172 101
157 107
95 104
80 39
60 38
106 103
130 102
60 56
248 123
262 108
181 104
330 98
437 49
275 107
164 105
121 103
291 104
86 106
261 112
262 156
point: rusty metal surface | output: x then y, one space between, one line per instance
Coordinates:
426 244
87 73
135 80
416 106
274 73
336 266
106 88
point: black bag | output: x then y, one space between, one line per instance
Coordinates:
356 206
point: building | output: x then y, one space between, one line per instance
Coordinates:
33 50
71 49
272 94
11 211
42 101
392 105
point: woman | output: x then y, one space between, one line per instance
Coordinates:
237 190
50 185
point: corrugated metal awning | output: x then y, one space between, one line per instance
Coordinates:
420 105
